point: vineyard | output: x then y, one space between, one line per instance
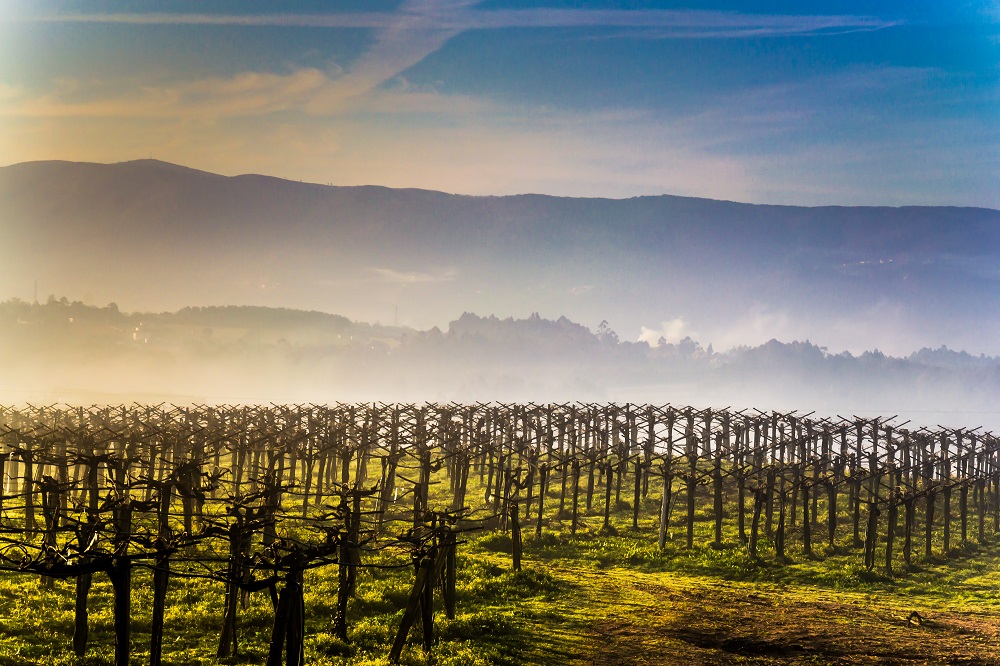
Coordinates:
254 501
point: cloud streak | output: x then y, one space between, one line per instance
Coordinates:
309 91
454 17
417 30
410 278
403 39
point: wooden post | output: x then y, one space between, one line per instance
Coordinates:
665 507
717 491
692 483
741 481
929 523
759 499
543 473
831 511
51 494
608 471
576 496
563 482
591 469
427 609
890 533
871 534
228 641
3 461
279 631
909 516
963 512
779 535
450 572
771 474
637 494
85 533
161 575
946 491
121 581
515 535
425 567
806 519
28 490
346 573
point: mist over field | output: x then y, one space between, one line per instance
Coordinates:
773 206
837 310
70 352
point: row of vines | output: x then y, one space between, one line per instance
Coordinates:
253 497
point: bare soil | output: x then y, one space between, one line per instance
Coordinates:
639 618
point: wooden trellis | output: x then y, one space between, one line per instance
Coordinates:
252 496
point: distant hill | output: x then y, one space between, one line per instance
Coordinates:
152 235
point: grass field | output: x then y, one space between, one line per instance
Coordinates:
590 599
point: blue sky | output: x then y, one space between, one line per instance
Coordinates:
773 102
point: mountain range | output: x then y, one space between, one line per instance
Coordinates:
151 236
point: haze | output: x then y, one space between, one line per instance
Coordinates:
867 135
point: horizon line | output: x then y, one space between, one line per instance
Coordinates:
487 196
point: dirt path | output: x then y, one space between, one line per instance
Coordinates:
622 617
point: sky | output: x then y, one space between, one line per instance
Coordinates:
826 102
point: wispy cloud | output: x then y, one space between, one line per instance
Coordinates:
458 16
408 278
403 39
352 20
247 93
419 28
682 23
309 91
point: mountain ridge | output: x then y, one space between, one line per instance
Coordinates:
153 235
180 168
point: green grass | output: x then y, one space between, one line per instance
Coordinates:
586 598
